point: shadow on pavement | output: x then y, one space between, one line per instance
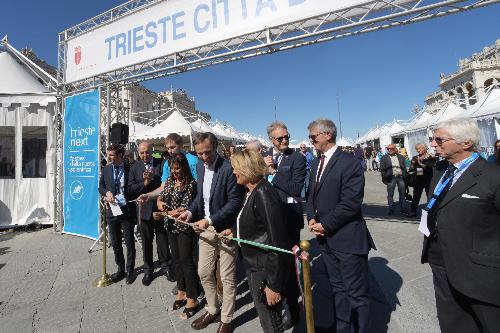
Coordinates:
4 250
383 297
379 212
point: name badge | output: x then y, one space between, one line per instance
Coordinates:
420 172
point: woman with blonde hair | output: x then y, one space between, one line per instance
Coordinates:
261 220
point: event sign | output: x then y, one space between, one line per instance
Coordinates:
179 25
81 164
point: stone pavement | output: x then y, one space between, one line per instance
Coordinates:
46 284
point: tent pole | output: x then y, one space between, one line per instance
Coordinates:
108 114
191 141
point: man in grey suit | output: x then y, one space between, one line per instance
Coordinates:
215 208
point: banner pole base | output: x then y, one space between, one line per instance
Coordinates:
103 281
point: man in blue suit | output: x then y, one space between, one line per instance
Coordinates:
287 172
334 213
215 208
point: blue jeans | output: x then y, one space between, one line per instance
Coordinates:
391 186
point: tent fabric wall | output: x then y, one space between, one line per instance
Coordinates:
488 132
26 200
414 138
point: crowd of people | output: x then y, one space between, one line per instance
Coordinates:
199 205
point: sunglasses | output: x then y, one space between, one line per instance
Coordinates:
313 137
281 138
440 140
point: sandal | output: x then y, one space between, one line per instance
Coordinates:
189 312
179 304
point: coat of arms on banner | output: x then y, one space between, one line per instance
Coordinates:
78 54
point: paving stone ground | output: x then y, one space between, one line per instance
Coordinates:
46 284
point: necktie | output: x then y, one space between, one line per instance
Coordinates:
318 177
277 160
117 180
431 219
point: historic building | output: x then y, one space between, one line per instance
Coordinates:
469 83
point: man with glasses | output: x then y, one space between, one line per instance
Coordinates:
393 171
287 172
461 224
335 217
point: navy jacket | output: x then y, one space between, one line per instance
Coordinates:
338 203
226 196
107 183
289 181
136 186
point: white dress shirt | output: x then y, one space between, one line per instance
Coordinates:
207 185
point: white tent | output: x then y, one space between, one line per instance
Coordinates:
175 123
136 130
487 113
27 146
221 133
202 124
345 142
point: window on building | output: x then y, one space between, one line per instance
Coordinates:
34 151
7 152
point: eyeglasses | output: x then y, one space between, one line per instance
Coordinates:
281 138
313 137
440 140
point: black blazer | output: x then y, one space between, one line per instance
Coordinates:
338 203
262 221
226 196
386 167
136 187
468 226
289 181
107 183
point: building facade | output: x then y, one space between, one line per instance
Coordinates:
470 82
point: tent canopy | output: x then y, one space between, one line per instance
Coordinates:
175 123
16 80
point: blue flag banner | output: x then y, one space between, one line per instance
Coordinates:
81 165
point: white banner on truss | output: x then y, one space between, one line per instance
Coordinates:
178 25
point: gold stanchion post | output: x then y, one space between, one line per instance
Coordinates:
308 302
104 280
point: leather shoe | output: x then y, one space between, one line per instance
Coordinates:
130 277
203 321
118 276
147 279
290 321
225 328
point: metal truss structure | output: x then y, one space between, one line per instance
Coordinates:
371 16
364 18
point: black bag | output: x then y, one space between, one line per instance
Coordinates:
411 179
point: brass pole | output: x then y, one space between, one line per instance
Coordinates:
306 268
104 280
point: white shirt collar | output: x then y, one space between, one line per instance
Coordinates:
329 153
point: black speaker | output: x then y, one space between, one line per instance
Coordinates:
118 133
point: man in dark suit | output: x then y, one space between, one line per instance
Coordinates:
113 187
287 173
334 213
393 171
462 227
215 208
143 178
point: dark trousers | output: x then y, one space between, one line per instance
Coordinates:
348 277
417 194
292 292
270 317
122 226
391 186
458 313
148 230
183 261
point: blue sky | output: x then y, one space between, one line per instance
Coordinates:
379 76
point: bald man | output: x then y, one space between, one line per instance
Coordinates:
144 178
393 171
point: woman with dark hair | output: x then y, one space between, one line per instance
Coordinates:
495 158
261 220
177 195
420 172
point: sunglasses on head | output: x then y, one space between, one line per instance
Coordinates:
440 140
281 138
